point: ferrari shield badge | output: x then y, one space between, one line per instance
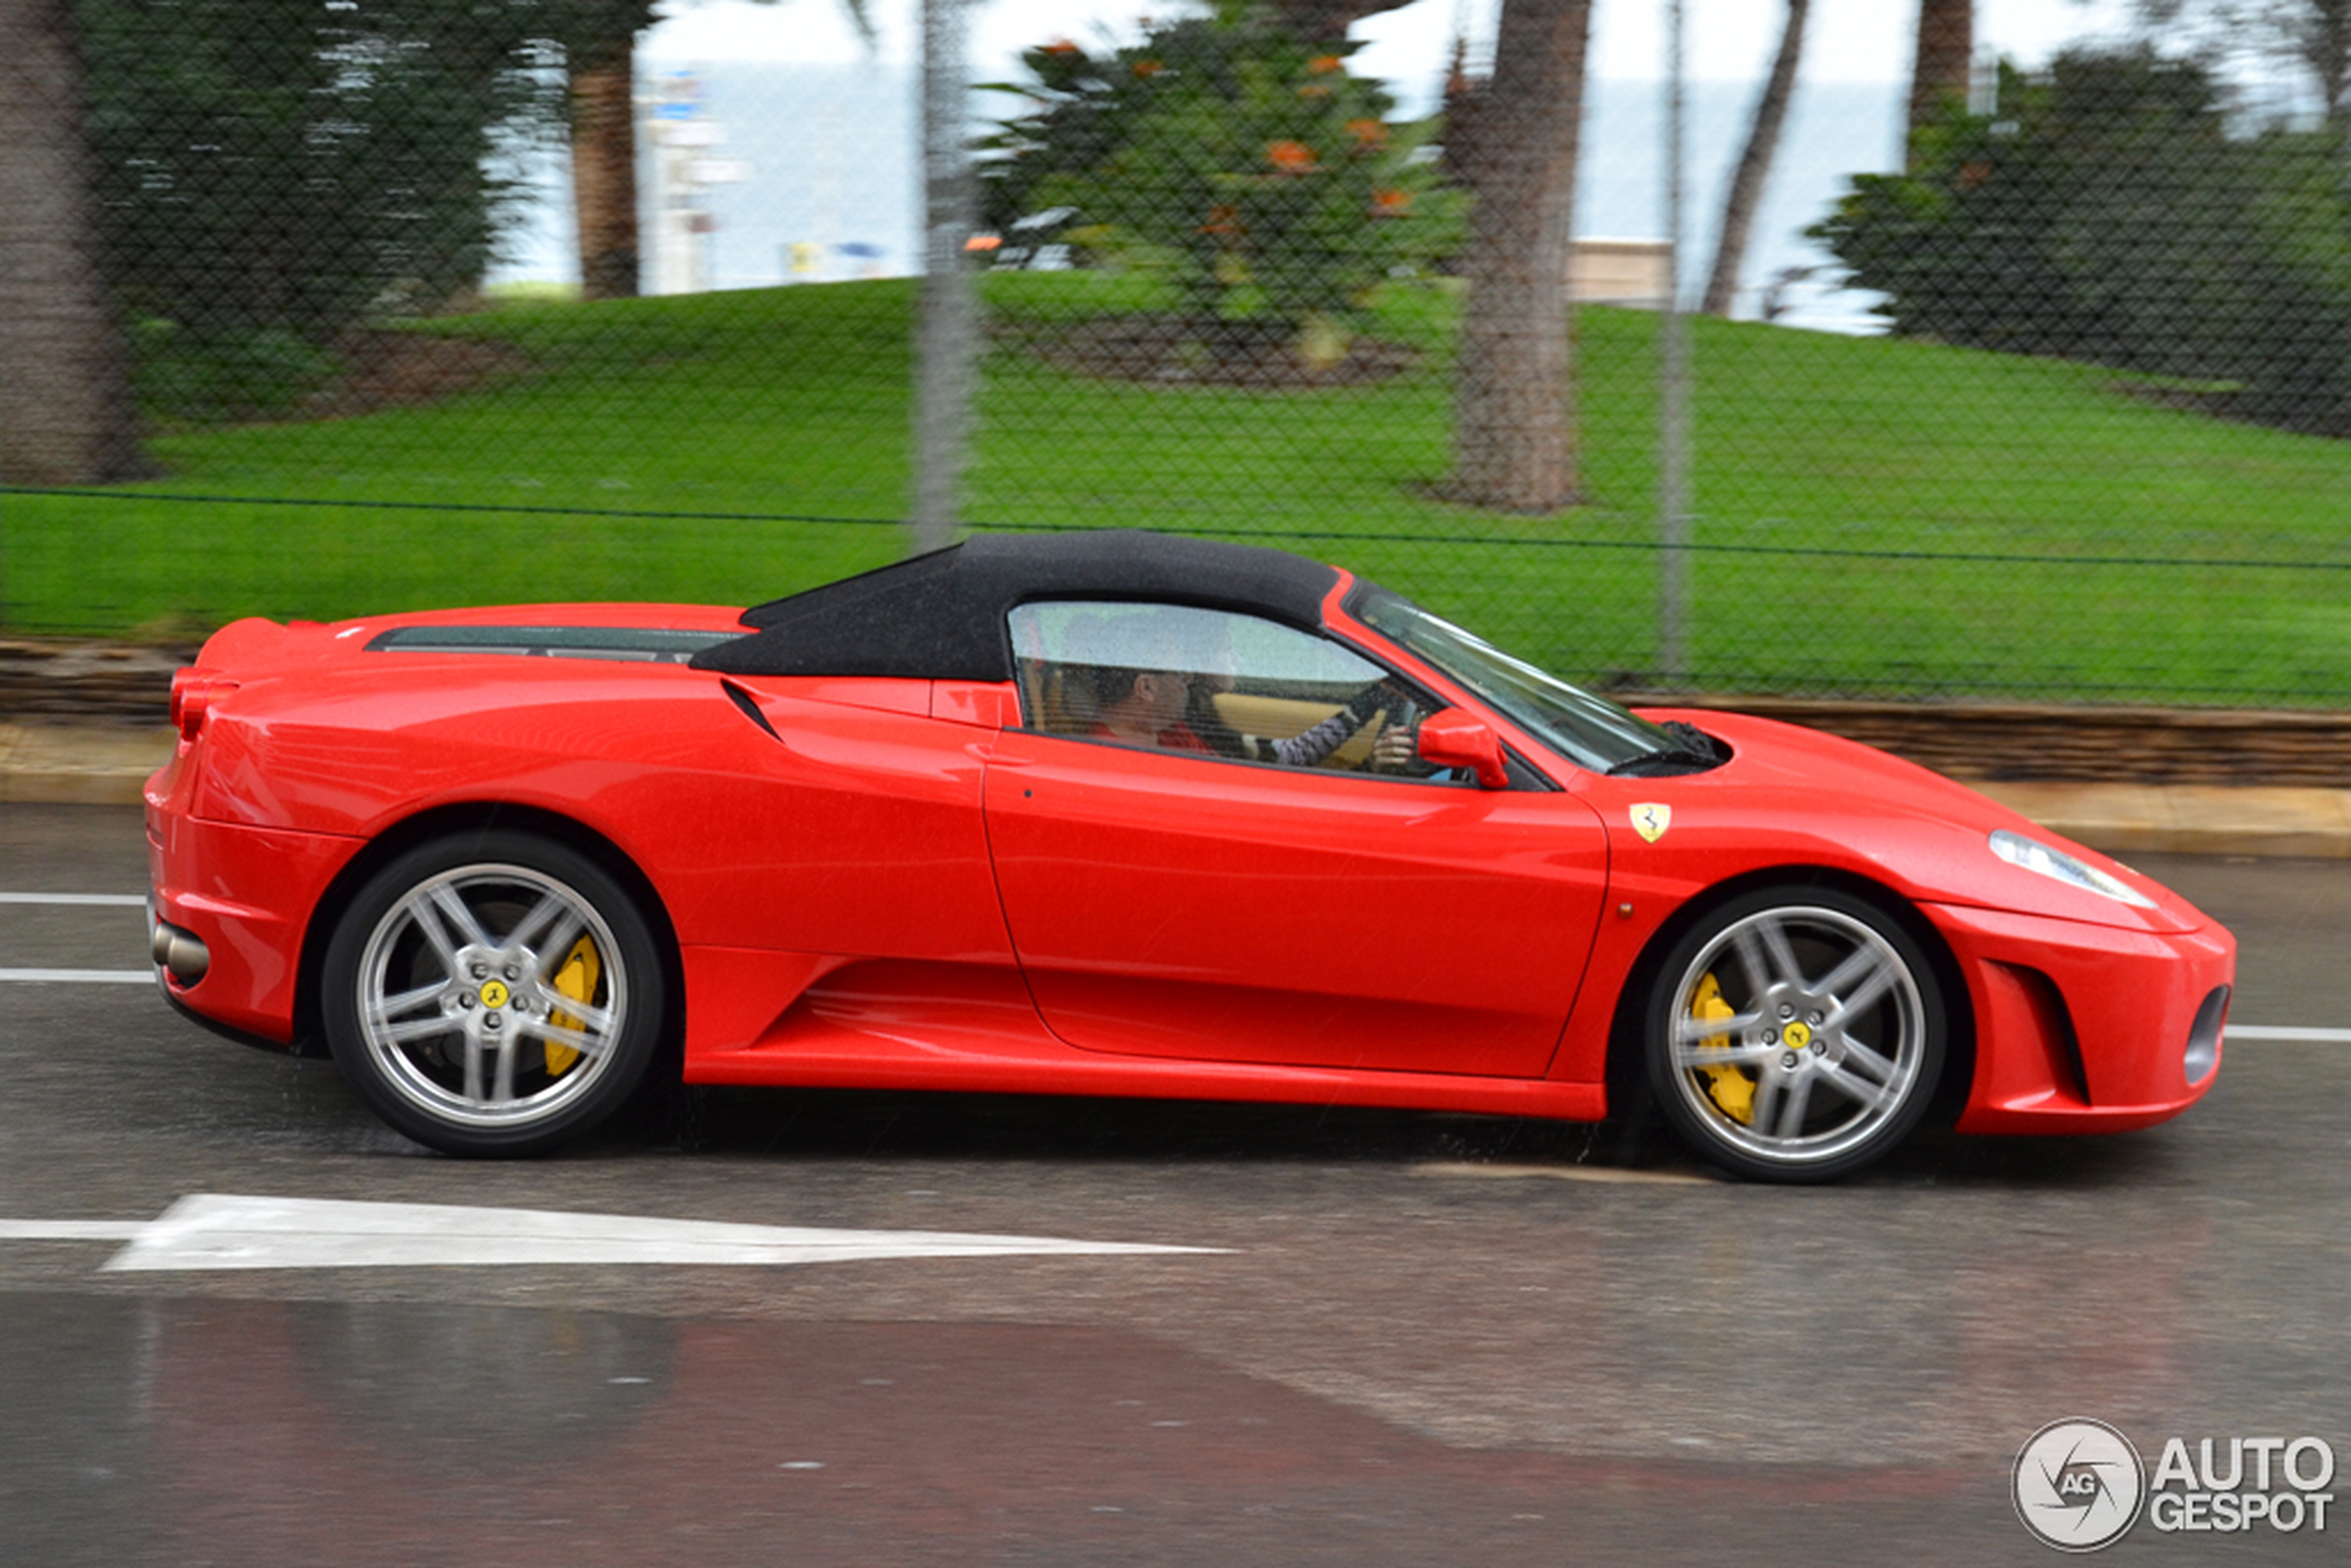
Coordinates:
1650 820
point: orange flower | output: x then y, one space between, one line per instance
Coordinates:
1148 68
1060 46
1225 222
1368 134
1323 65
1391 203
1290 157
1313 90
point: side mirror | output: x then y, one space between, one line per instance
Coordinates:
1456 737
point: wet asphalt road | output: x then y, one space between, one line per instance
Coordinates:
1429 1339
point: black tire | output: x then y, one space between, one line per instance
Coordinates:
1831 1035
493 994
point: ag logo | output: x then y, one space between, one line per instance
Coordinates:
2077 1485
1650 820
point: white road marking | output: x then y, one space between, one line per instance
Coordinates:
80 977
111 900
71 1230
213 1231
1608 1176
2234 1032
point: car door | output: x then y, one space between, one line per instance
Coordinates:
1176 900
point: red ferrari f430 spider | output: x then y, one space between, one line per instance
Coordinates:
1126 814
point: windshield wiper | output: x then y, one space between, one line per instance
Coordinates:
1689 748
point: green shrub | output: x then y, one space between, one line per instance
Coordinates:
1248 162
2106 212
224 376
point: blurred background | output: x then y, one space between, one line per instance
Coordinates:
1810 348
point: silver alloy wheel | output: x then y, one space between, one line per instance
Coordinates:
1797 1035
459 1008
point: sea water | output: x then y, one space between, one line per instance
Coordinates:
830 180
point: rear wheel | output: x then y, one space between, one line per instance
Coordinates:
493 994
1795 1034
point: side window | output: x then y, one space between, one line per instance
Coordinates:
1186 680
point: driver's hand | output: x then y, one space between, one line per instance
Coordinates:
1397 747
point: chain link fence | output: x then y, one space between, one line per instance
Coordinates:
2057 411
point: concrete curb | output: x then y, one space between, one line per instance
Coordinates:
2127 819
78 763
106 765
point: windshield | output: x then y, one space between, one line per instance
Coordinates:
1590 731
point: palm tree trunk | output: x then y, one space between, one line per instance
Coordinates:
1755 167
1939 70
66 409
2323 40
1514 423
603 166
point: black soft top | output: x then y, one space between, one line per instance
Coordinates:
941 616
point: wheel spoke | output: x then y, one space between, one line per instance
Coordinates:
502 1085
1752 959
1689 1028
391 1007
1692 1055
427 920
557 948
1764 947
593 1043
1875 976
591 1018
1791 1111
410 1029
1858 1090
473 1068
1879 1069
526 932
464 928
1767 1100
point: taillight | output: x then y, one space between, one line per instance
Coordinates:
193 692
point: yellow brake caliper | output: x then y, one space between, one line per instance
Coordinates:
576 979
1730 1087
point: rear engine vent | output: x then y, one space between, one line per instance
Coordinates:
638 645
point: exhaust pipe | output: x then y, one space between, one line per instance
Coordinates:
180 953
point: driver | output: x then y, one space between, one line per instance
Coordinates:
1145 707
1172 666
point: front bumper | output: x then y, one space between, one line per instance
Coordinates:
2087 1028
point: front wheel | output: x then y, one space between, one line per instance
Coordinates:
493 994
1795 1034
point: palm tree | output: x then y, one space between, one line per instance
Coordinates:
602 52
1939 70
66 411
1514 423
1754 166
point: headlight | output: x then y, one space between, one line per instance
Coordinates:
2055 864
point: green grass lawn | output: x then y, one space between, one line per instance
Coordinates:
1871 516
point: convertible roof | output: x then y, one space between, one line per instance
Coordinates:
941 615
